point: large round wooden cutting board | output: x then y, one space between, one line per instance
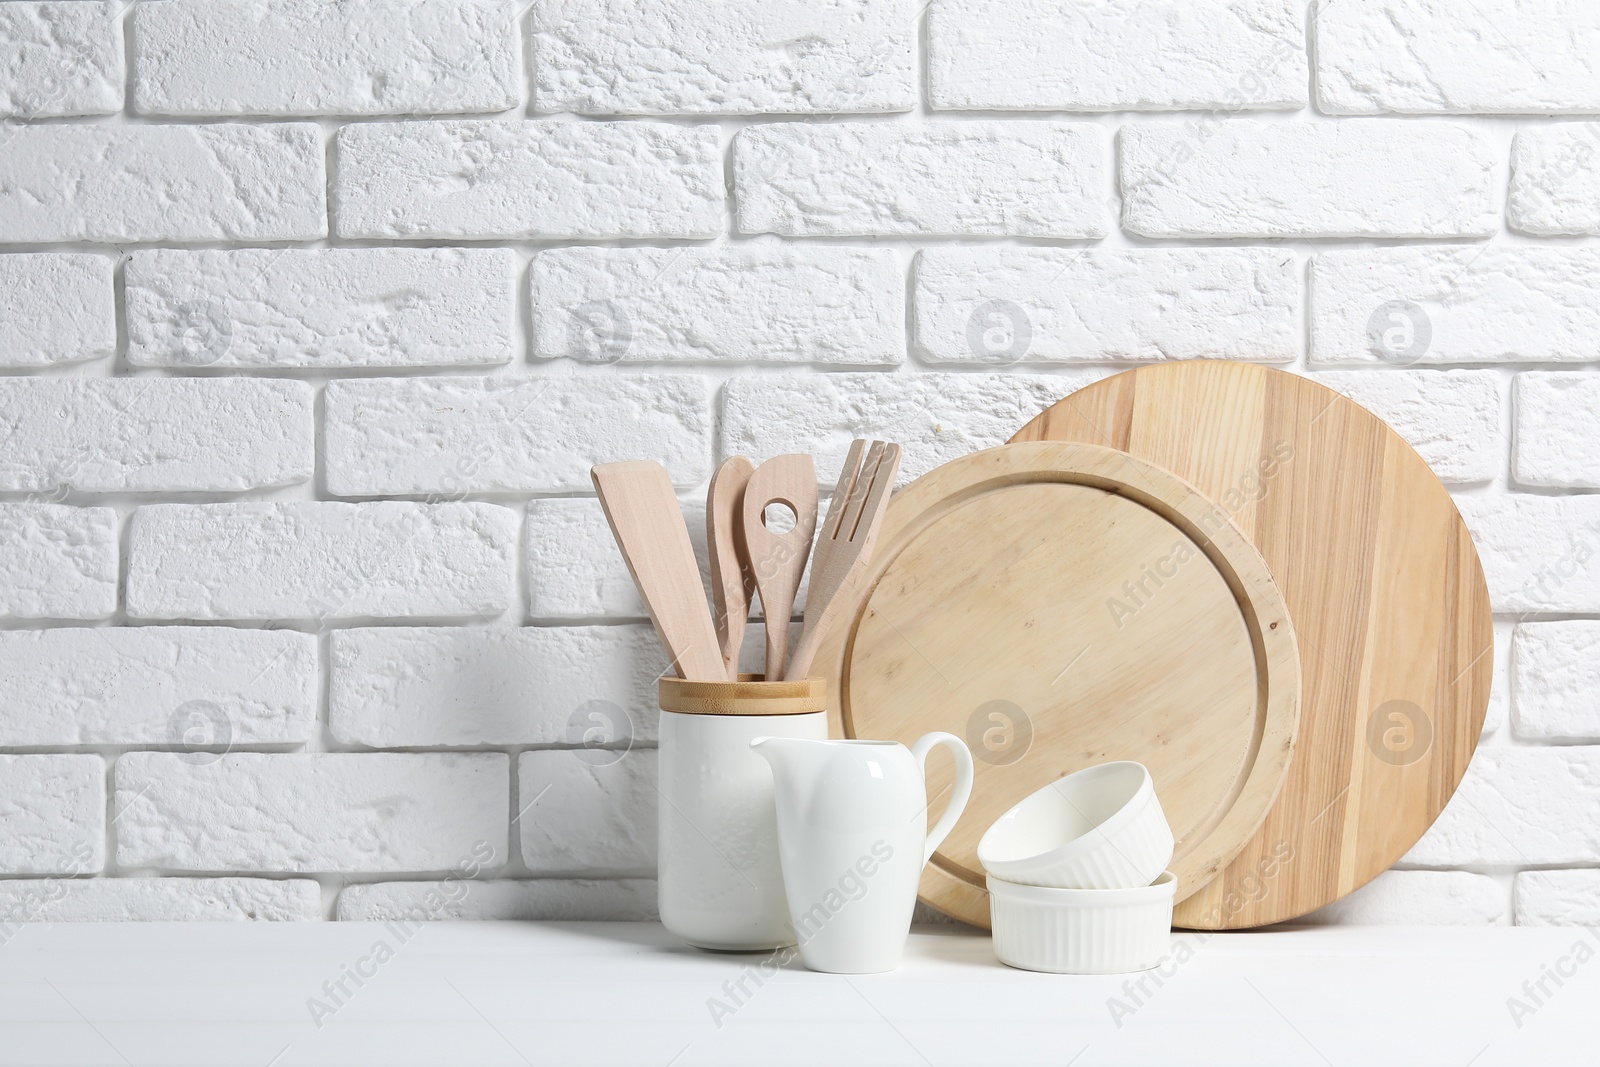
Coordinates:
1058 606
1388 600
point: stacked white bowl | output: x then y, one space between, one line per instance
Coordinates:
1077 875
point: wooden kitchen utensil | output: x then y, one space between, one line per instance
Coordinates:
1388 601
844 543
732 582
642 508
778 559
1060 606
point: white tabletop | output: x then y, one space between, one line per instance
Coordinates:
582 993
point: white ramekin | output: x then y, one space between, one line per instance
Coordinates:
1099 828
1081 931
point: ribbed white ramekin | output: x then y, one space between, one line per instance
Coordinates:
1098 828
1081 931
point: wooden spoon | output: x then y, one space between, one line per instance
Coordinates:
732 582
778 560
845 543
642 508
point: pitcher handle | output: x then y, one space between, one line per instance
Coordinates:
963 789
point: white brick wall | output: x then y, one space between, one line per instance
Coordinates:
154 434
59 308
383 57
322 309
314 316
60 58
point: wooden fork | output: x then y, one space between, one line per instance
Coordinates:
845 543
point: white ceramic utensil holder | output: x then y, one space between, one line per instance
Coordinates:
719 883
1081 931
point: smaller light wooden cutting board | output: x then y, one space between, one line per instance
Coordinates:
1059 606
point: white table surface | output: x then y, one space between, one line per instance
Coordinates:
581 993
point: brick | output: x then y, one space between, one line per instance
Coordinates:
144 685
319 560
116 183
1556 679
1519 807
1539 553
453 435
490 179
52 814
155 434
579 815
59 308
935 417
1001 179
572 566
746 57
350 812
60 59
1434 57
1060 305
160 900
1404 306
1451 417
322 309
1419 898
536 900
401 687
734 303
1221 177
303 57
1558 898
1555 428
57 562
1555 179
1034 55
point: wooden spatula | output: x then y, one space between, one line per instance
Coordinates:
778 560
643 511
732 582
845 543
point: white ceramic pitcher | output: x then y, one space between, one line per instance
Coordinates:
852 842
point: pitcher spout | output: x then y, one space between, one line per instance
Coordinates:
797 764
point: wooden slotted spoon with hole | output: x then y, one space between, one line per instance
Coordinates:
779 559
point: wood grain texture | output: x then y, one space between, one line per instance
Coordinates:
1387 596
733 583
1060 606
844 543
779 559
749 694
642 508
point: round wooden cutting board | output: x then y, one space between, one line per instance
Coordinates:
1388 600
1058 606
